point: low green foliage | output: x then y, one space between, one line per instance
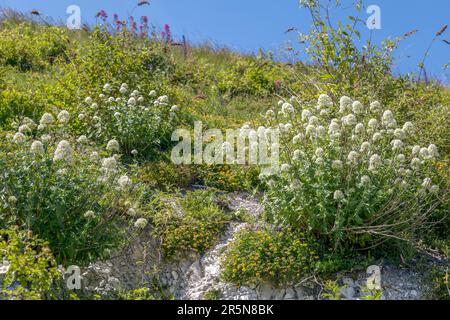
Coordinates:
68 192
189 224
27 267
279 257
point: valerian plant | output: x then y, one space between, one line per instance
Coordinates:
68 191
351 174
141 123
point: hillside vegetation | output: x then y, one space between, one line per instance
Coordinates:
86 119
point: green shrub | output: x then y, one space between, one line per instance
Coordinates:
279 257
27 267
190 224
30 48
166 176
71 194
141 123
352 176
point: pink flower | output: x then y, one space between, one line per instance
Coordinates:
102 14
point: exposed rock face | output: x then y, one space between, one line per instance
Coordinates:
194 275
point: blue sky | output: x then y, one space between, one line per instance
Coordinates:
247 25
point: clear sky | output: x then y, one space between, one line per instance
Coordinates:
247 25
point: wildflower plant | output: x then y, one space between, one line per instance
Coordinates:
141 124
351 173
68 191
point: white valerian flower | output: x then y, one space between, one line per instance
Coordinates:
345 104
408 127
396 144
134 152
117 115
359 128
46 138
426 183
82 139
297 155
152 93
31 124
132 101
4 267
88 100
81 116
141 223
135 93
375 107
280 102
399 134
94 105
319 152
333 129
19 137
415 150
12 200
357 107
310 130
373 123
63 117
111 99
313 120
434 189
319 161
109 164
374 162
305 115
46 119
365 146
285 167
287 108
107 87
415 163
324 101
140 99
321 131
131 212
37 147
94 156
388 119
270 113
163 99
63 152
337 165
124 85
113 145
101 96
424 154
24 128
89 214
353 157
124 182
349 120
376 137
174 108
365 180
338 195
401 158
433 151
